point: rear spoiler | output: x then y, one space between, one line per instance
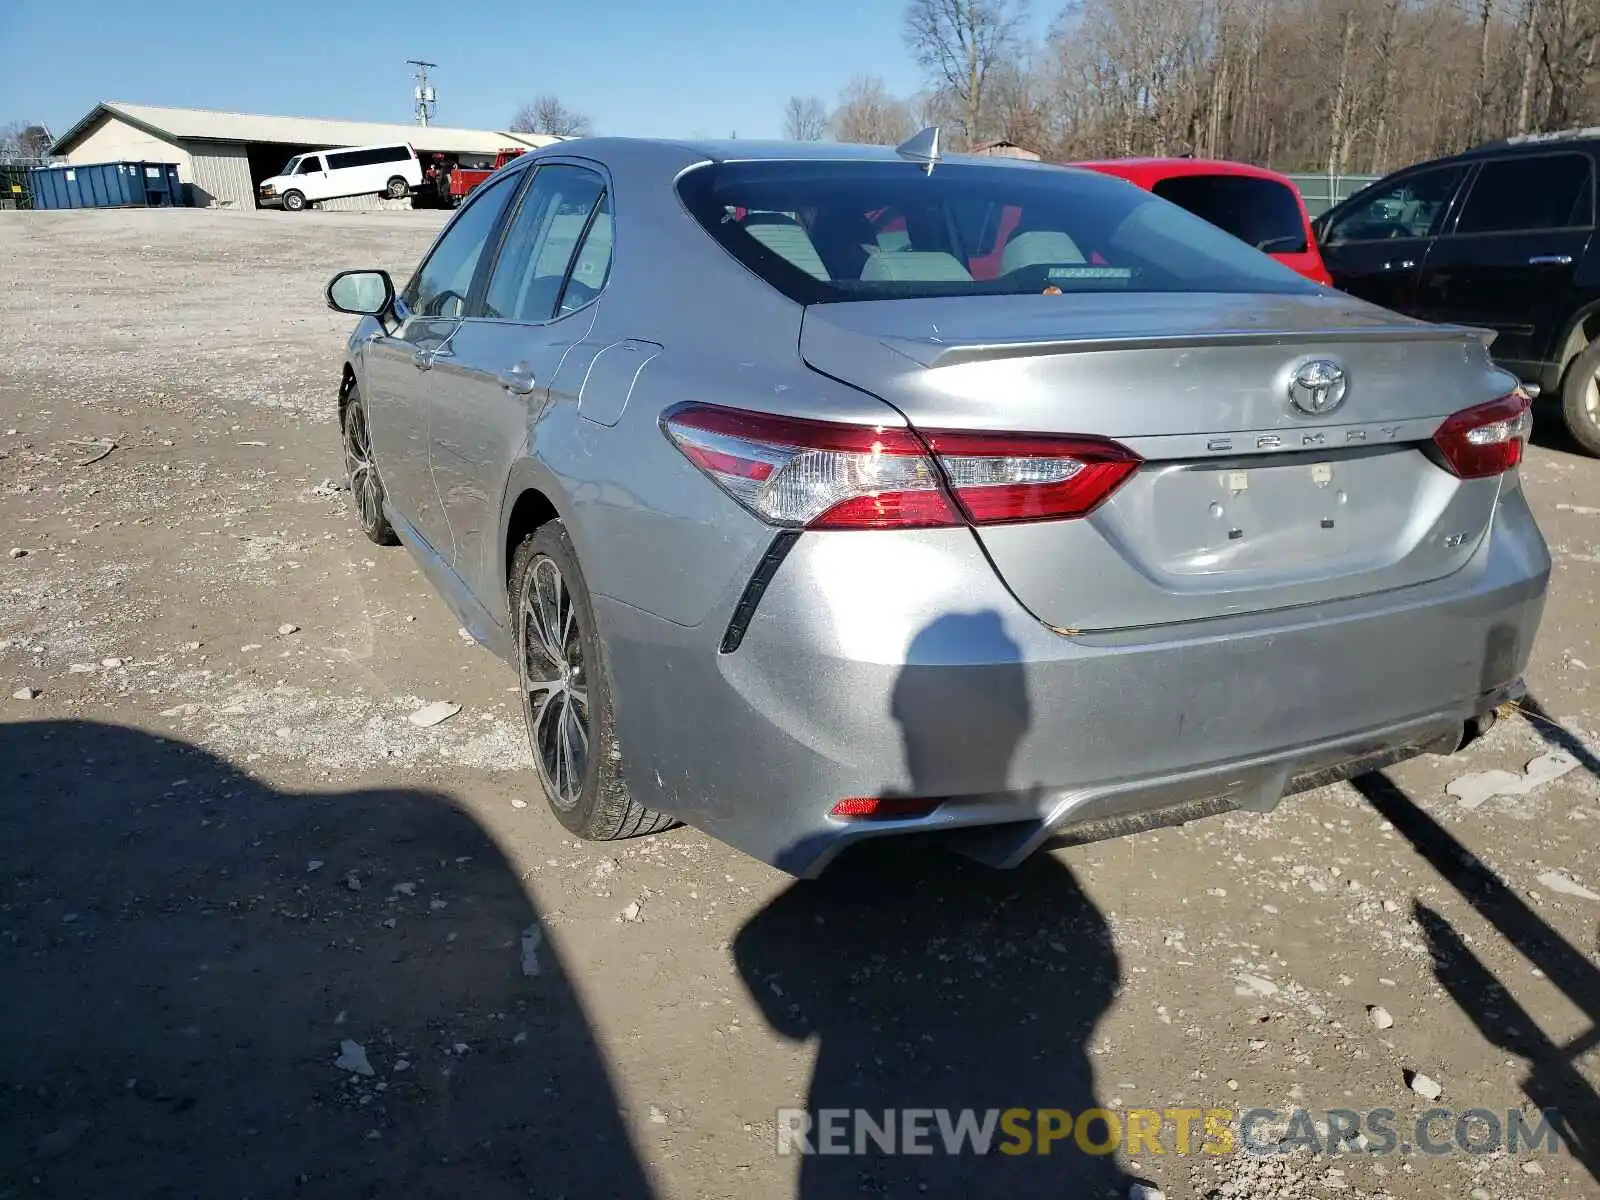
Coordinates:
930 353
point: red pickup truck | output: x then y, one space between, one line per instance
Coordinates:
452 182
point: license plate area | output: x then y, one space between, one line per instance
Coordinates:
1301 511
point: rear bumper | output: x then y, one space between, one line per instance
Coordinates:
899 664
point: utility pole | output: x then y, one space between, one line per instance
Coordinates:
426 99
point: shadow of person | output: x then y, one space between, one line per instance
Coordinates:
1554 1081
929 982
187 952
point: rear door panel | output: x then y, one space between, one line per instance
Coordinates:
507 357
1510 262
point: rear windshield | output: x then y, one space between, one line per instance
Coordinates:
1259 211
826 231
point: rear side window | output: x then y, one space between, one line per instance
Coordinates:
830 231
592 265
367 158
539 244
1524 194
1262 212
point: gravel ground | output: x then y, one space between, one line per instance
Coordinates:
261 935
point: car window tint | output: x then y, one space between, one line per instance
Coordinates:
1262 212
309 165
540 242
826 231
592 264
1413 207
1519 194
443 282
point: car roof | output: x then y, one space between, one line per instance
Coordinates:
757 150
1168 168
1523 144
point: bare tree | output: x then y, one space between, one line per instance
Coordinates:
23 142
805 119
867 113
1321 85
959 43
546 114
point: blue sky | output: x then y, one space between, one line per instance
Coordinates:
684 67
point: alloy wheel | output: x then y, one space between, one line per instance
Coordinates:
555 686
363 475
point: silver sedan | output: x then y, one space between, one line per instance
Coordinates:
820 493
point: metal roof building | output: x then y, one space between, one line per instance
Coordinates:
221 156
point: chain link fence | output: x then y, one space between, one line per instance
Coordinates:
1322 192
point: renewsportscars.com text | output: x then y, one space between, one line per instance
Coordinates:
1150 1131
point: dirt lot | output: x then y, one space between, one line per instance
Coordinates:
262 936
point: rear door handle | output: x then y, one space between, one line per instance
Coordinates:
1550 260
518 380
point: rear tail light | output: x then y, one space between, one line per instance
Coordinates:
1486 439
825 475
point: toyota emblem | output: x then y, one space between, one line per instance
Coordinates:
1318 386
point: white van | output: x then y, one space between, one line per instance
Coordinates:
391 170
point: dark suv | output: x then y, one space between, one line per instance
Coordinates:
1501 237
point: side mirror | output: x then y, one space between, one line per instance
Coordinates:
361 293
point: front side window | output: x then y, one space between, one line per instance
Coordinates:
309 165
1261 212
539 244
442 284
829 231
1414 207
1524 194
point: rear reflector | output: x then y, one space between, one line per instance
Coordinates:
826 475
1486 439
883 808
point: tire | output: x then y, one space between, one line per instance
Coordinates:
361 472
294 201
397 189
566 694
1580 399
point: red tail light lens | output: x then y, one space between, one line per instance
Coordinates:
826 475
883 808
1031 478
1486 439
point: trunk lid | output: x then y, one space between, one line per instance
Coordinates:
1245 503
